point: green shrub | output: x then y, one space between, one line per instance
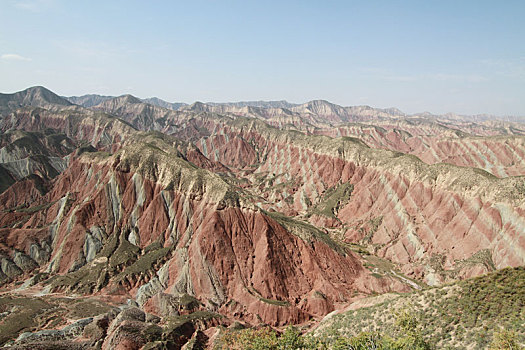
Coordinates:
505 340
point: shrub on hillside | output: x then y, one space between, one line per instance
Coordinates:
505 340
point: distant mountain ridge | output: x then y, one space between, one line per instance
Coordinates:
37 96
88 100
260 104
164 104
320 108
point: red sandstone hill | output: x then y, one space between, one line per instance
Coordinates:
222 213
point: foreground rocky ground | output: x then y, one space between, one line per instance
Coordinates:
466 314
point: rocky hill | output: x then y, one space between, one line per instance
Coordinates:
36 97
161 103
88 100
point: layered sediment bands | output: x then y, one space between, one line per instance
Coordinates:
101 131
436 221
445 127
235 152
432 140
501 156
142 116
193 212
24 154
145 221
181 149
17 144
23 193
104 132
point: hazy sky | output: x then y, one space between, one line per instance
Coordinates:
461 56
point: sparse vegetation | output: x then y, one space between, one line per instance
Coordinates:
334 198
23 314
463 314
35 208
19 314
505 340
407 337
305 231
144 263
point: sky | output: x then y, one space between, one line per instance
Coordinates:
443 56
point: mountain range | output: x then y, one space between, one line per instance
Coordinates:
319 107
138 223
